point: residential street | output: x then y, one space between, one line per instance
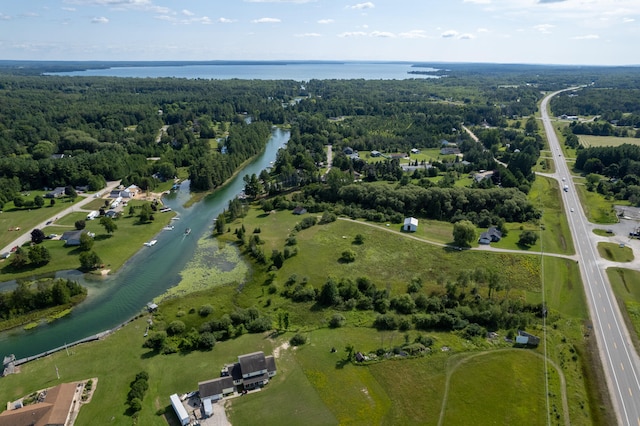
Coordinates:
87 198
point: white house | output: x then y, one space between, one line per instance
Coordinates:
410 224
181 412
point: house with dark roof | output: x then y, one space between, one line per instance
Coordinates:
492 235
53 410
348 150
55 193
250 372
525 339
450 151
375 153
72 238
299 210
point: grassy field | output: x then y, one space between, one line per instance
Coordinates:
114 250
589 141
615 253
596 208
24 218
626 286
313 384
604 232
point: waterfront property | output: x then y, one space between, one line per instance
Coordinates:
250 372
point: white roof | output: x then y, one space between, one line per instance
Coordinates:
411 221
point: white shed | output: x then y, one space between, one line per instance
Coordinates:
410 224
181 412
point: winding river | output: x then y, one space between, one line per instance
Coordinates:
148 274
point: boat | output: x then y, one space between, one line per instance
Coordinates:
151 243
187 231
169 228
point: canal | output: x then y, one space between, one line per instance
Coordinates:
153 270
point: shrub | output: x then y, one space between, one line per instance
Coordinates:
359 239
176 327
336 321
298 340
205 310
348 256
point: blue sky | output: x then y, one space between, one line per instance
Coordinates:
597 32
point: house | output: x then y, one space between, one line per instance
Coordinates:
348 150
492 235
72 238
525 339
376 154
450 151
415 151
56 193
130 191
299 210
116 193
359 357
479 177
251 371
397 155
53 410
410 224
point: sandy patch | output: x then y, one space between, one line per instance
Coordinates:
282 347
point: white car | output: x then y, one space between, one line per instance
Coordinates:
571 209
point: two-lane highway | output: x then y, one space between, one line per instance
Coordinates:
619 359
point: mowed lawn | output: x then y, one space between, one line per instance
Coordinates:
626 286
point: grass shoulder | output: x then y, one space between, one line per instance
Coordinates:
615 252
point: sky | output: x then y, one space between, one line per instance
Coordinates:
579 32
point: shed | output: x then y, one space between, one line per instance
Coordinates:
410 224
208 409
181 412
72 238
299 210
375 153
415 150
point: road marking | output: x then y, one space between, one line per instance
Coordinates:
609 324
604 310
600 295
615 345
630 393
622 366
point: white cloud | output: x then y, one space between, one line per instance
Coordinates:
4 17
466 36
586 37
29 15
100 20
477 1
225 20
144 5
628 20
69 9
449 34
325 21
281 1
544 28
266 21
186 12
413 34
362 6
309 35
353 34
383 34
482 30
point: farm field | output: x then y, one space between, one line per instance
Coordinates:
589 141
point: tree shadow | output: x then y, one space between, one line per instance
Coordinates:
340 364
102 237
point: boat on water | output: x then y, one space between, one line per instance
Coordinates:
151 243
169 228
187 231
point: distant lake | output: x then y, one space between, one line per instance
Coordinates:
302 71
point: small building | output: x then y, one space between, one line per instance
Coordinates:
111 213
415 151
410 224
450 151
116 193
213 390
181 412
359 357
397 155
376 154
56 193
299 210
525 339
348 150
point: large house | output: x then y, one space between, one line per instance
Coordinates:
54 409
251 371
72 238
56 193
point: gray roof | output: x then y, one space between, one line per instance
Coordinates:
72 237
215 386
271 363
255 379
253 362
235 371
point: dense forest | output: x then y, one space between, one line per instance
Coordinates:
43 294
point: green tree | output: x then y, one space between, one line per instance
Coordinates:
37 236
38 201
70 192
464 233
80 224
277 258
109 225
86 242
359 239
89 260
19 259
52 202
39 255
348 256
145 213
18 201
221 222
528 238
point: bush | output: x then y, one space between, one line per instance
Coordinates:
348 256
336 321
205 310
176 327
298 340
207 341
359 239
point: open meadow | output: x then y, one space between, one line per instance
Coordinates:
590 141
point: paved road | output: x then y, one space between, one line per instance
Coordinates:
87 198
619 359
